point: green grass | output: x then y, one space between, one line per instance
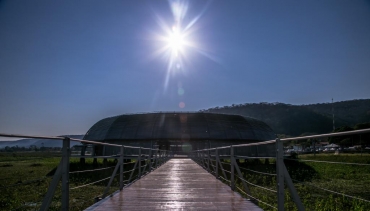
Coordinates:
347 179
25 178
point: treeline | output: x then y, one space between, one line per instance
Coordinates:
296 120
32 148
352 140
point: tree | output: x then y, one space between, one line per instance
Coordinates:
346 142
338 139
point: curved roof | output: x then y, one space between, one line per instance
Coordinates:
179 126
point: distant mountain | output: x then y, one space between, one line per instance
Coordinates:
295 120
39 142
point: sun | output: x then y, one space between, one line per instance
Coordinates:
176 41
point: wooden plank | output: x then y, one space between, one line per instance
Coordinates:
178 184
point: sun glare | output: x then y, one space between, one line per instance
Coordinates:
176 41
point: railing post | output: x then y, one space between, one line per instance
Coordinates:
156 158
121 168
208 161
204 159
139 162
232 182
150 159
201 158
65 173
216 158
280 174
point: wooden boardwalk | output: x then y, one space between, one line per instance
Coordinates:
179 184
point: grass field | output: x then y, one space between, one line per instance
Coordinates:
311 178
25 177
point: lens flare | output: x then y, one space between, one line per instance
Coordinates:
180 91
182 105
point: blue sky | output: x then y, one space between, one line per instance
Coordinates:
65 65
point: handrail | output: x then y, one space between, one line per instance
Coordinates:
72 139
327 135
224 147
290 139
28 136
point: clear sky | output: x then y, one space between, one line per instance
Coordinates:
64 65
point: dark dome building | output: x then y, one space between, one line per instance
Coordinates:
179 132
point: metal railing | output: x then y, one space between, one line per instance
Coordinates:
214 162
221 161
146 160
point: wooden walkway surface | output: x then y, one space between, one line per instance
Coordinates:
179 184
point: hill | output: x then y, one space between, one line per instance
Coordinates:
295 120
38 142
347 113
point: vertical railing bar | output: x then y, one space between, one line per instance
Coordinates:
200 158
208 161
121 168
65 174
155 159
146 164
216 155
280 174
232 179
159 157
150 158
205 161
139 161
